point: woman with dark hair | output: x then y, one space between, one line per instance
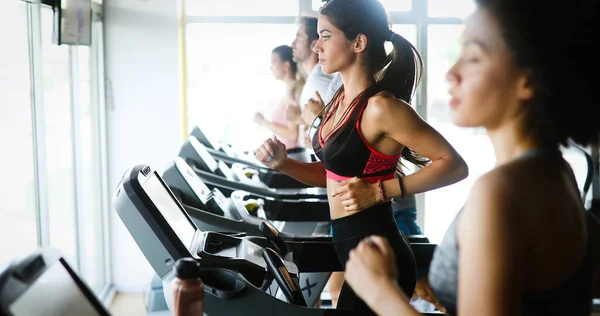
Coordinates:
365 129
284 68
520 244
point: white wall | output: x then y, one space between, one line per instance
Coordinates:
143 114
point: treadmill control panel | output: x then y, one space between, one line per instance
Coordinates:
248 249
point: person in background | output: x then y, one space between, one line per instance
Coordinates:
284 68
366 128
316 80
522 244
404 209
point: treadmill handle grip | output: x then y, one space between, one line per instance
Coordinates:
287 283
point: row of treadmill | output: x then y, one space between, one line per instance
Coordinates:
225 211
251 231
223 208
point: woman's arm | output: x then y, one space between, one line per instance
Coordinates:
272 153
391 302
311 173
398 121
491 258
372 274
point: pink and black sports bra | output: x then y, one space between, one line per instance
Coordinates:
345 153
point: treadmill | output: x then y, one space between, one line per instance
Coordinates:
233 159
240 272
211 210
308 204
43 283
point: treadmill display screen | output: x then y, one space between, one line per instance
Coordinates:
197 185
207 159
54 293
170 210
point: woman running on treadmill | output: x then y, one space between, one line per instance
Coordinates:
520 245
366 128
284 68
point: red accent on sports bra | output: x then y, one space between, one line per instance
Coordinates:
337 177
348 154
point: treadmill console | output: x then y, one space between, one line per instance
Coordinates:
228 150
248 249
45 284
206 161
206 141
214 200
226 172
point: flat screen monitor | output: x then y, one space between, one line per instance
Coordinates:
198 186
170 210
54 293
206 157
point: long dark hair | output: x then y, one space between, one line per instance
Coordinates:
285 55
399 72
562 74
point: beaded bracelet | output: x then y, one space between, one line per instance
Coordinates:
381 193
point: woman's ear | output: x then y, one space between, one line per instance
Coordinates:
525 86
360 43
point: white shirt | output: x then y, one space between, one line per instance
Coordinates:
334 85
316 81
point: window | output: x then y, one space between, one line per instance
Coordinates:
397 5
472 144
389 5
242 8
58 129
317 4
454 8
50 143
408 31
229 78
18 229
90 172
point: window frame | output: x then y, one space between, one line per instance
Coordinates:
106 291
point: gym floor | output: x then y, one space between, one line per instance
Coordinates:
128 305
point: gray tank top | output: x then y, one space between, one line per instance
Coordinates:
573 297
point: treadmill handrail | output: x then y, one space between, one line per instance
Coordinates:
268 193
219 155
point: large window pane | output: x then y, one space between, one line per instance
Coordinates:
317 4
408 31
450 8
242 7
18 233
59 142
389 5
397 5
90 211
473 144
229 78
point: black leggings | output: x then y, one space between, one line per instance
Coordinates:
350 230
